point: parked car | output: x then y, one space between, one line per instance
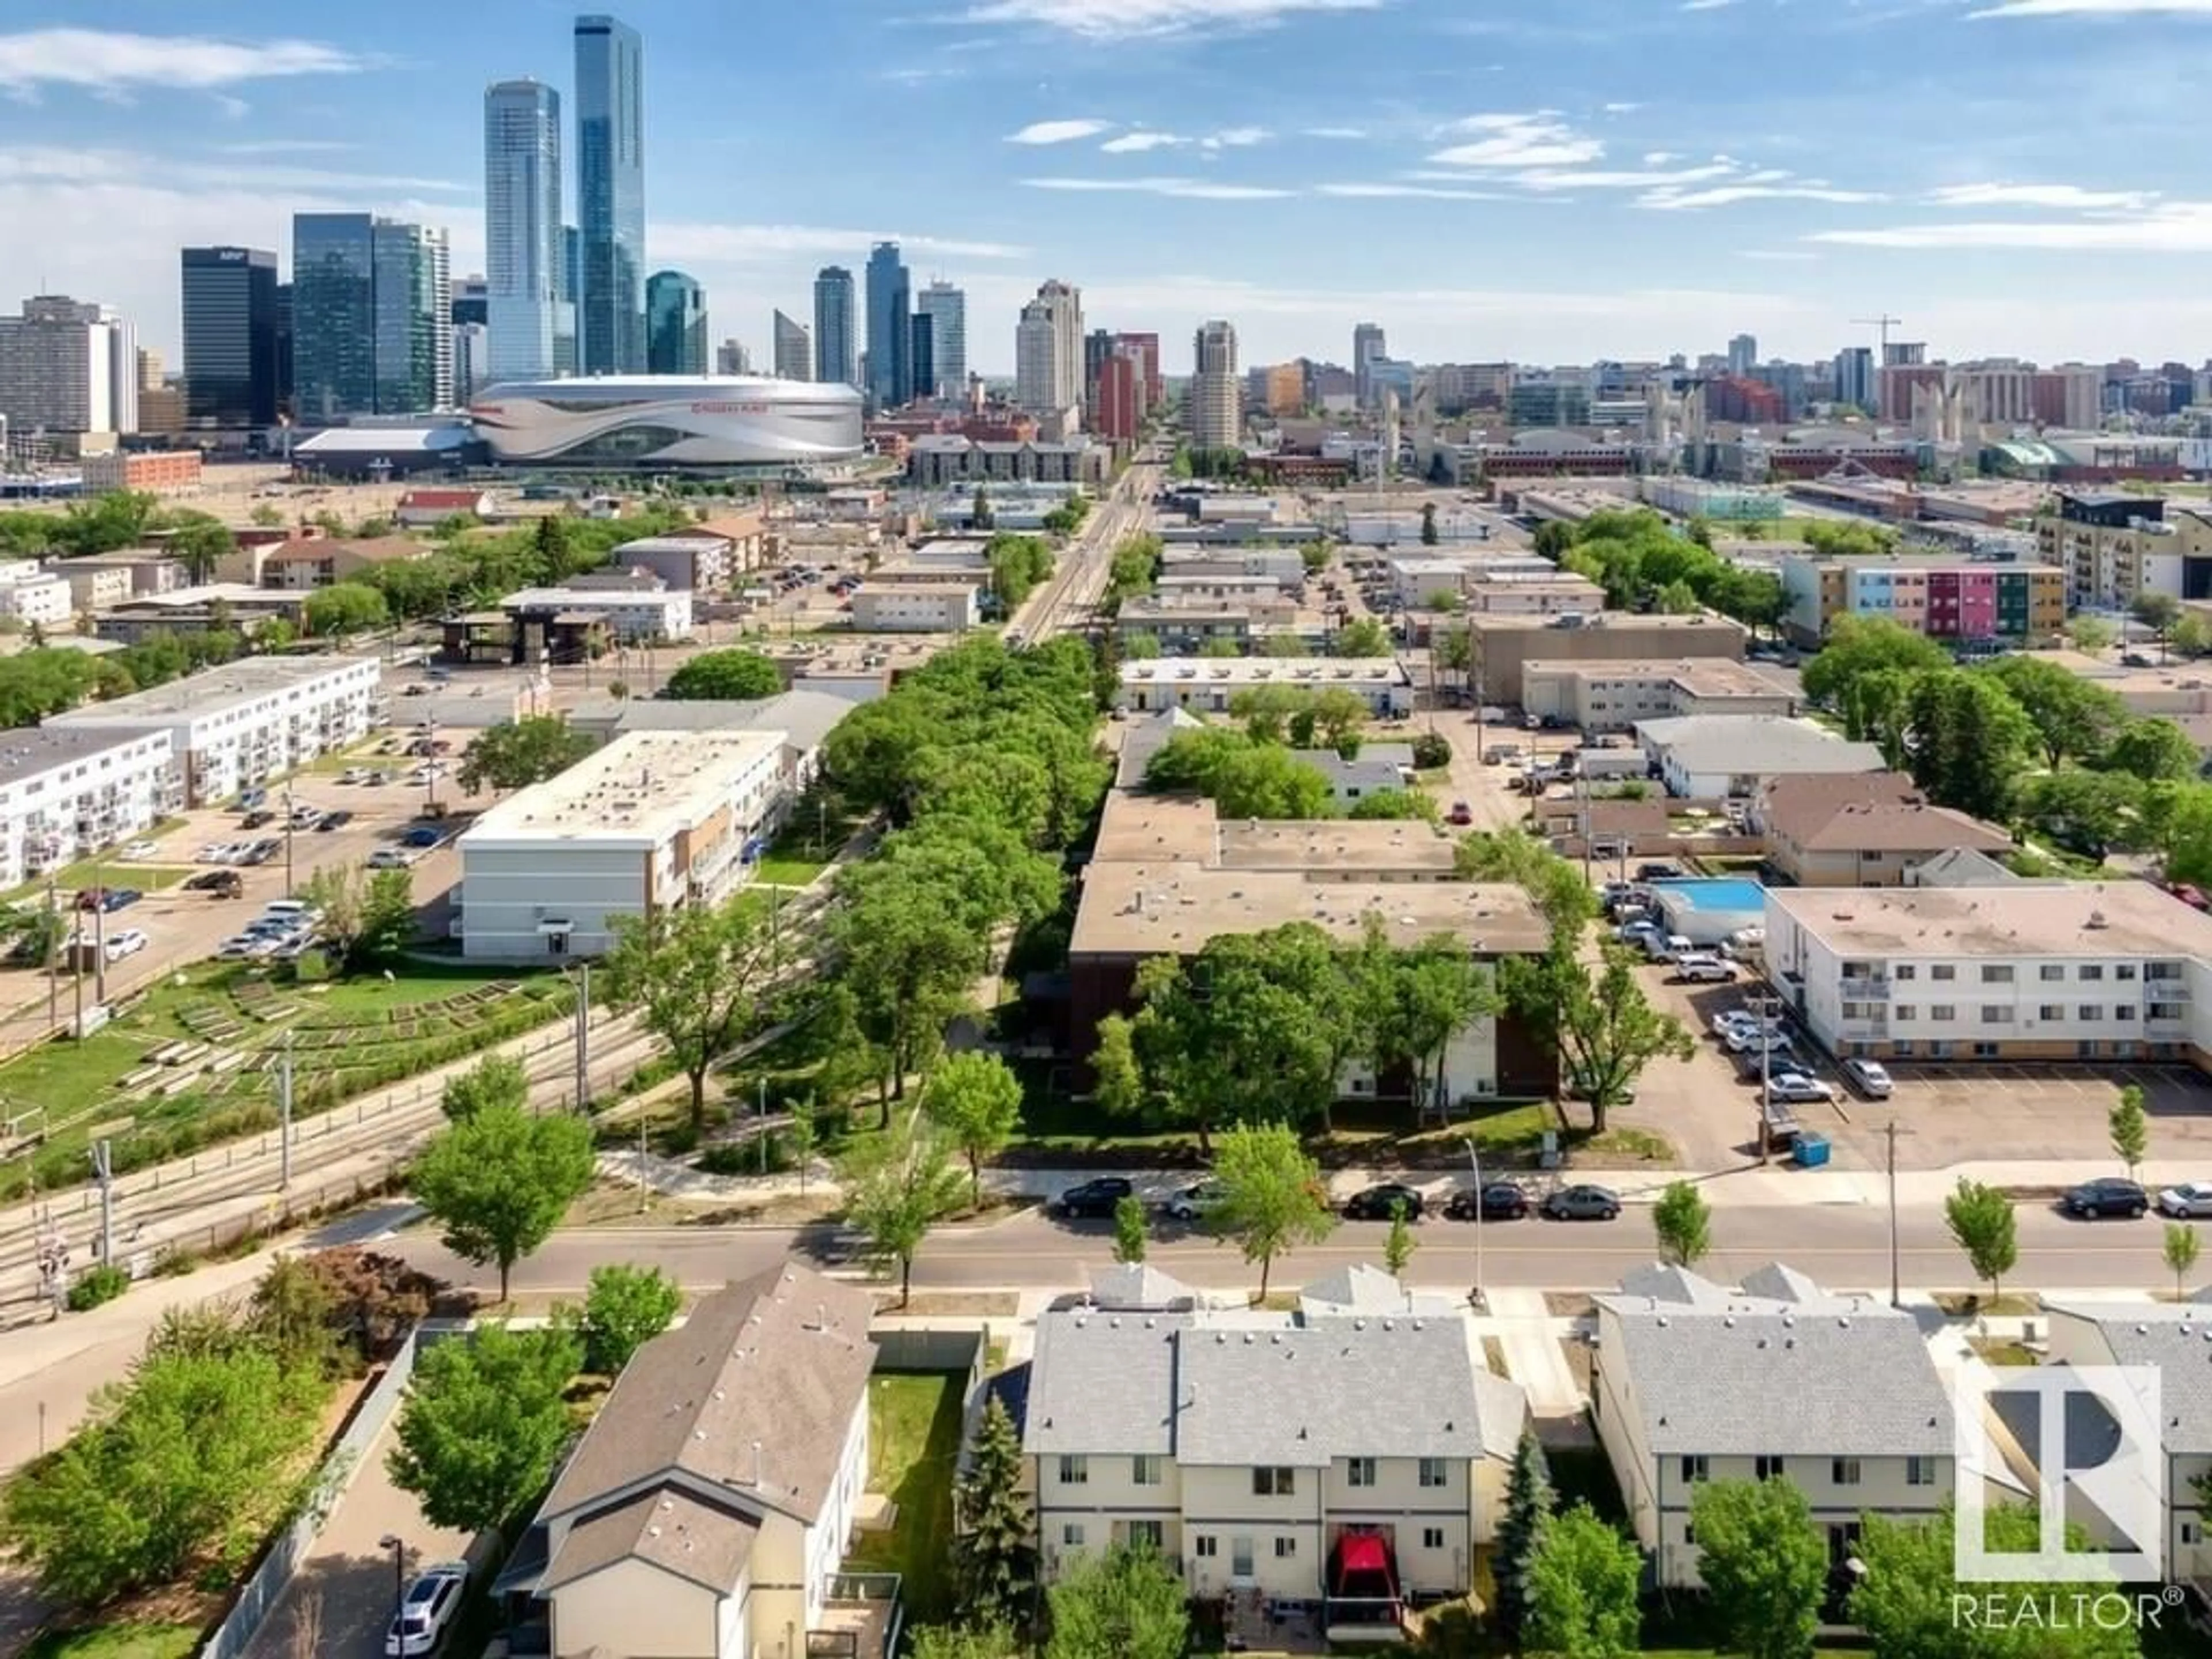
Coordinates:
1750 1038
1868 1076
128 942
1732 1020
140 849
1656 872
1380 1203
1635 933
423 837
256 818
1091 1198
1580 1202
1704 970
426 1610
223 883
391 858
380 777
244 947
110 899
1192 1201
2106 1195
1499 1200
2190 1201
336 820
354 774
251 799
1663 946
1461 813
1796 1088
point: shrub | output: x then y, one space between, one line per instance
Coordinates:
101 1283
1430 751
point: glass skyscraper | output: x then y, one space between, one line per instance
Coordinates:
833 327
947 308
230 336
891 367
414 341
522 228
334 316
610 194
676 325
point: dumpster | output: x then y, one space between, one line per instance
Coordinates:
1812 1150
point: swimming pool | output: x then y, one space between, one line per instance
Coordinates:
1714 893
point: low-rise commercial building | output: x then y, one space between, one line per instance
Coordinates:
804 718
142 572
1186 629
2112 971
1207 685
1708 756
1617 696
1504 645
237 606
627 613
247 722
1283 566
1517 593
419 509
935 460
1179 582
654 821
147 472
67 792
933 607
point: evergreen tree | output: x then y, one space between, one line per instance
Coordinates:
993 1562
1529 1499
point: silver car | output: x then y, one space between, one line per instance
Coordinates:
1868 1077
2190 1201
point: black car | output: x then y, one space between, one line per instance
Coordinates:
2106 1195
1381 1203
1500 1200
1582 1203
336 820
1092 1198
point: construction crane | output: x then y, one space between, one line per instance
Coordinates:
1885 322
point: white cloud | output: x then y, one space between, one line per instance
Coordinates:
1543 179
285 147
1236 138
1058 132
1124 20
1333 132
1659 158
1541 140
1428 192
2174 228
1622 109
53 164
1707 5
2042 196
1138 143
113 62
754 244
1729 195
2095 8
1197 190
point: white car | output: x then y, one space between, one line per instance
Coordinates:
2192 1201
426 1610
354 774
1704 970
128 942
1796 1086
1750 1039
1868 1077
142 849
391 858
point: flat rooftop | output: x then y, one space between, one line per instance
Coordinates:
1613 622
585 598
2093 918
1137 828
213 689
698 541
30 751
1312 672
944 588
185 598
1699 677
640 790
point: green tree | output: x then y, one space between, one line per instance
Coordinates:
516 754
348 608
993 1562
1130 1236
1410 1003
1121 1602
1967 740
1428 524
496 1081
2073 717
387 917
2191 635
1272 1198
1763 1563
1530 1501
1399 1243
1867 645
1583 1580
976 1101
2090 635
2180 1249
1117 1082
1558 890
1982 1223
732 676
2158 612
2088 812
199 543
1604 1030
1395 803
2155 751
897 1186
1362 636
485 1423
498 1183
2128 1128
1684 1223
1905 1599
624 1307
697 974
979 514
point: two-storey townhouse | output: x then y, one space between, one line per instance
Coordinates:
1691 1382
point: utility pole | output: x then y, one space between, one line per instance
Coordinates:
99 938
1889 1134
584 1039
284 1116
1765 1008
1474 1163
53 944
289 814
103 1171
762 1097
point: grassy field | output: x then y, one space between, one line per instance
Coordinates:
913 1447
115 1642
146 878
776 869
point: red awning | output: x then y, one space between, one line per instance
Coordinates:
1362 1552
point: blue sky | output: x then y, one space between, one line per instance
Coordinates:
1489 178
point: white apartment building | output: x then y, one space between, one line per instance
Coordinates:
1214 409
654 821
1691 1381
29 594
925 607
248 722
2057 970
65 793
631 615
1048 350
1207 685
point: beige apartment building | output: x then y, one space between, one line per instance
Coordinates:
1504 645
1613 697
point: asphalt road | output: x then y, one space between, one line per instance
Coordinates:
1844 1246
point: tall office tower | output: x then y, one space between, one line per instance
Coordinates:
524 252
888 332
66 366
471 361
833 363
149 369
566 353
1120 399
414 298
372 305
610 194
1097 347
730 357
1048 350
947 306
1855 376
794 352
471 300
1215 417
1366 342
676 325
1146 349
1743 353
921 354
282 336
230 336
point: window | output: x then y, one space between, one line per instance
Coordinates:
1996 1013
1433 1473
1148 1533
2125 970
2092 1010
2126 1010
1205 1545
1074 1471
1145 1471
1906 970
1844 1471
1359 1471
2051 971
1766 1468
1690 1533
1997 973
1071 1535
1943 970
1919 1471
1432 1538
1273 1483
1904 1011
2091 972
1942 1012
1285 1548
2051 1011
1693 1469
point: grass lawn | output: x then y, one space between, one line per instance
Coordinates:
146 878
116 1641
413 981
2001 1351
914 1446
778 870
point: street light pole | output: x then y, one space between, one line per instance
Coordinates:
284 1114
1889 1134
584 1038
397 1546
289 812
1475 1162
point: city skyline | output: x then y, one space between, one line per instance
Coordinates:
1587 220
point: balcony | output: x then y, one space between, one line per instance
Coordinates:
1863 988
862 1617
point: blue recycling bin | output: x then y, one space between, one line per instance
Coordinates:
1812 1150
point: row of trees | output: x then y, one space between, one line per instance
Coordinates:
47 680
1017 564
1642 565
474 567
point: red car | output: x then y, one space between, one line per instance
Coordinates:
2191 896
1462 813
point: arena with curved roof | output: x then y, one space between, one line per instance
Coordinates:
643 421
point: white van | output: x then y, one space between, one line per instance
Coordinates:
290 910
